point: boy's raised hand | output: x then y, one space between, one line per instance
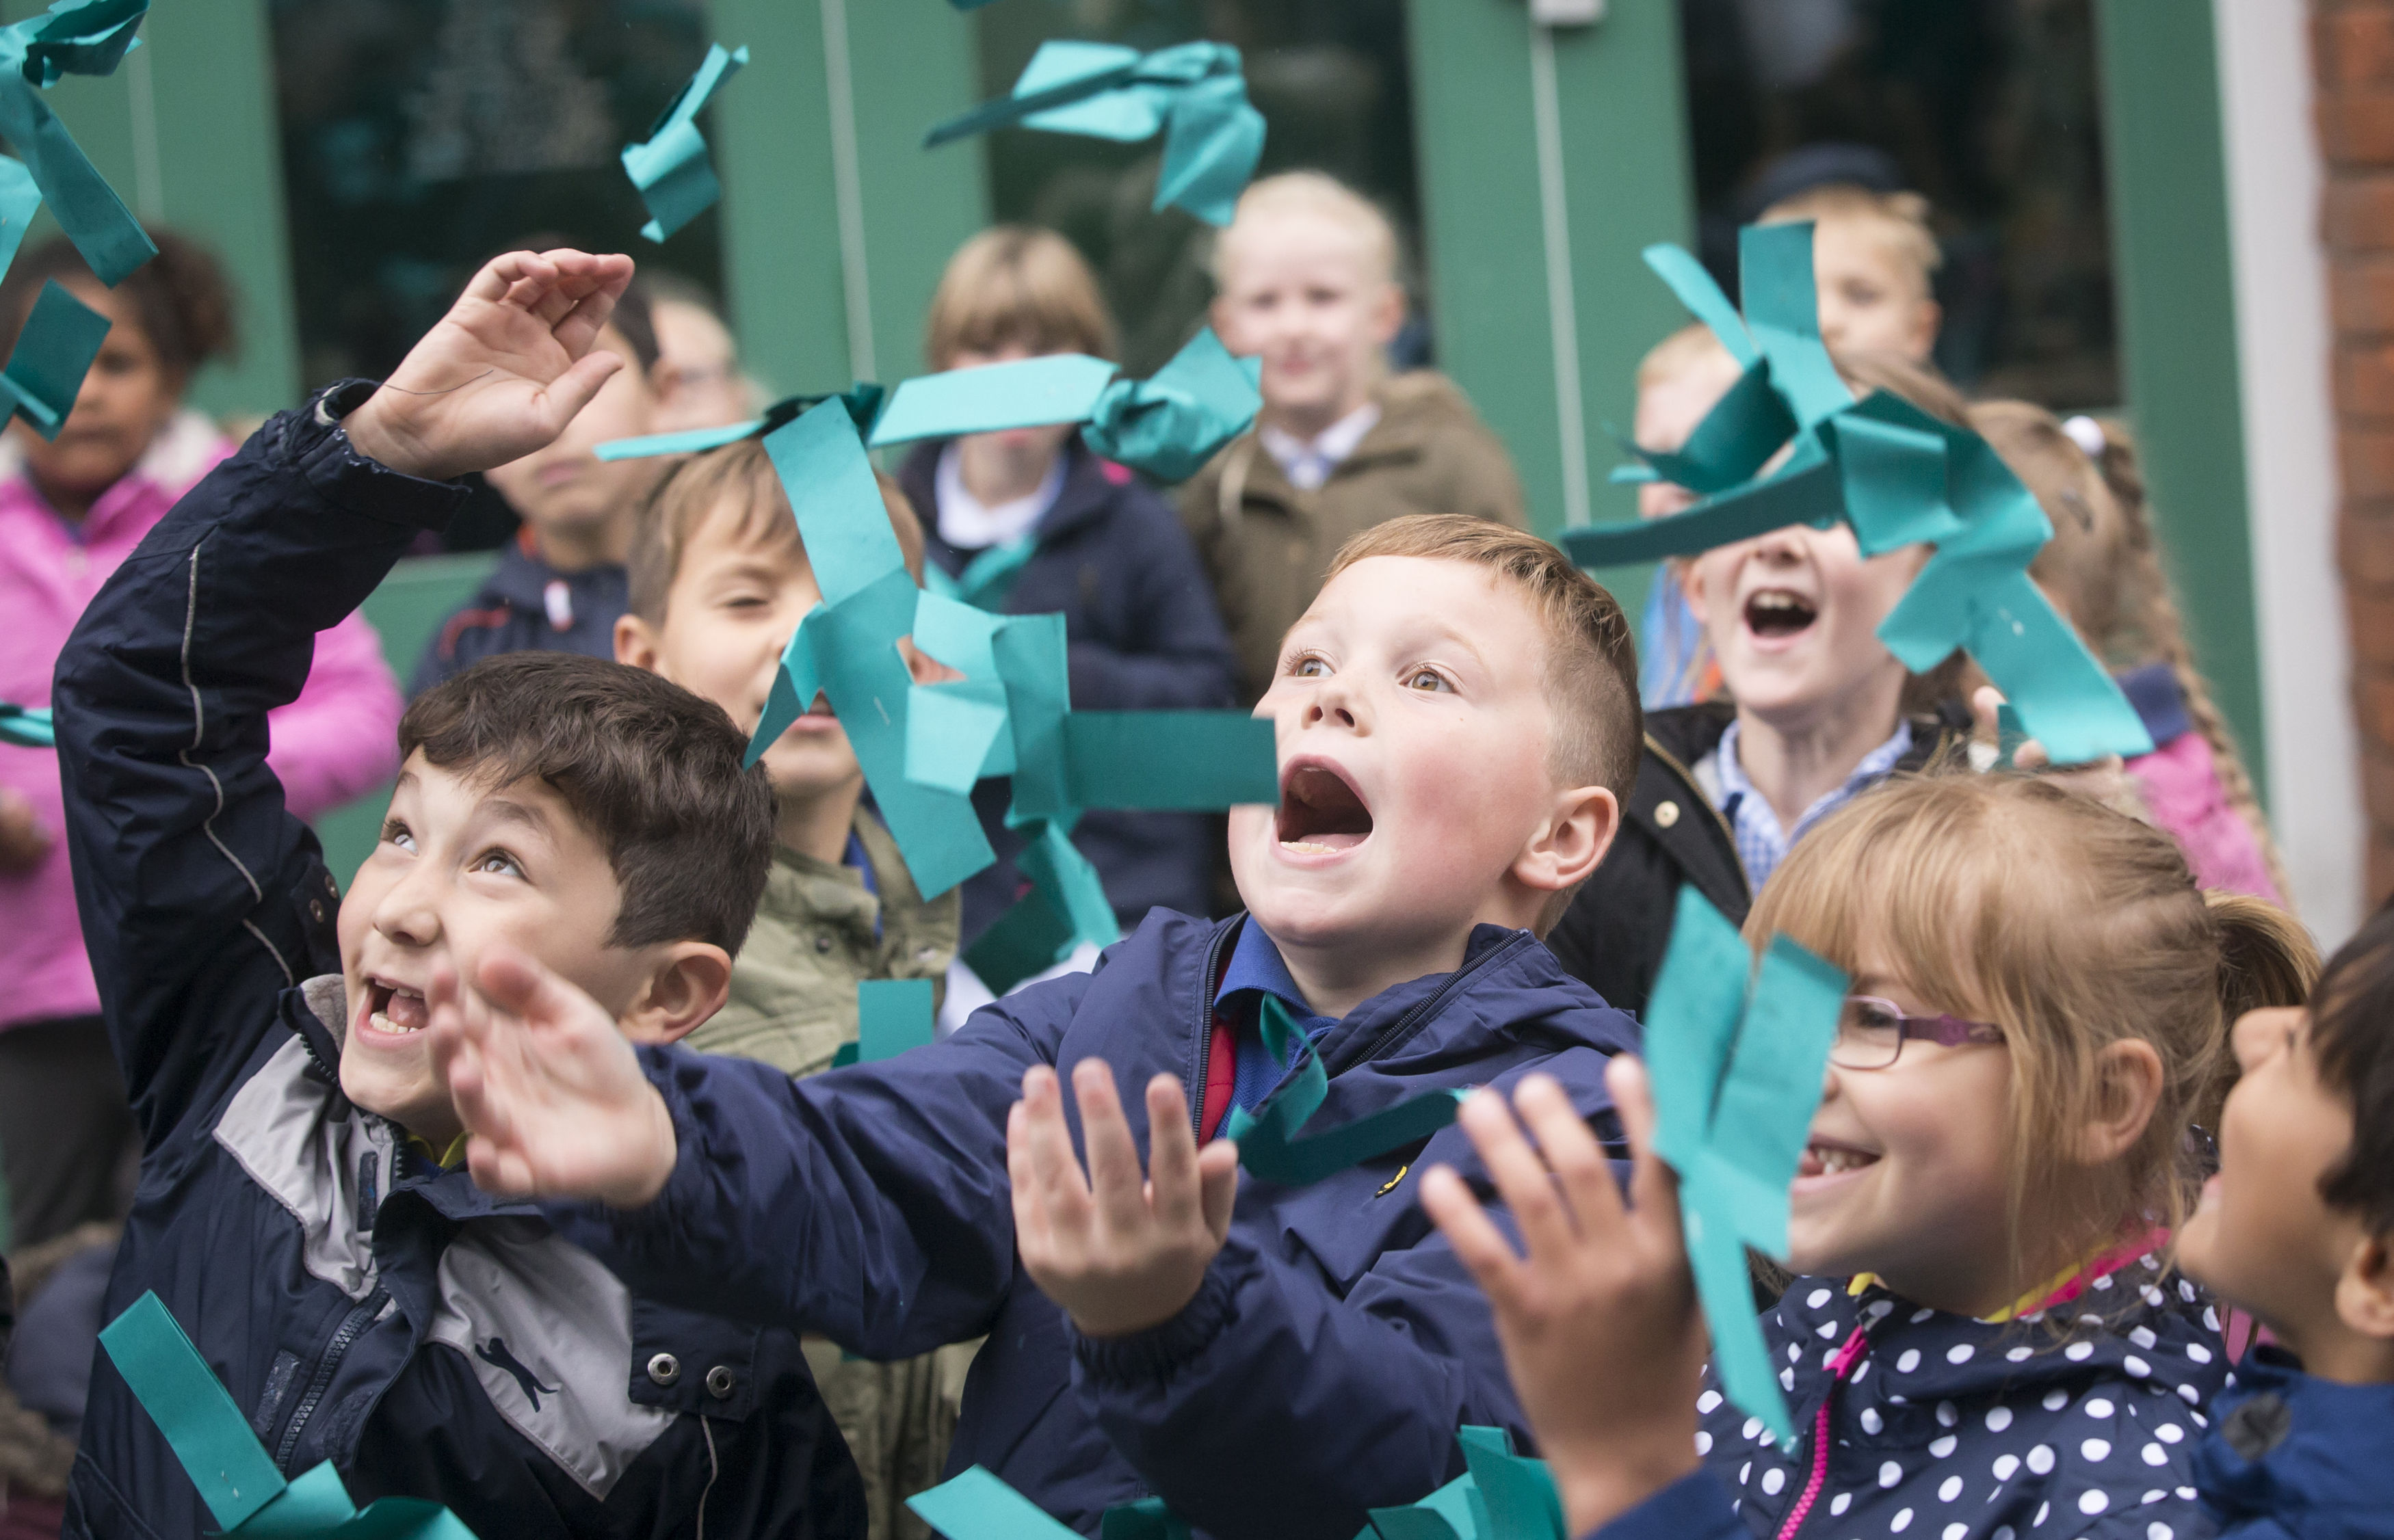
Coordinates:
547 1086
1599 1321
502 372
1121 1252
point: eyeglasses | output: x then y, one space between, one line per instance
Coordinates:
1871 1032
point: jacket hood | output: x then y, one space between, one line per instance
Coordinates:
2297 1455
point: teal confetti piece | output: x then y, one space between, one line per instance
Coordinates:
1502 1496
988 577
1061 872
1166 761
1736 1072
892 1016
1174 421
1148 1519
1694 288
1032 661
1805 491
670 167
27 726
1029 938
976 1506
1783 313
952 732
87 37
2010 734
1736 438
1031 392
45 371
836 500
1268 1146
690 440
20 198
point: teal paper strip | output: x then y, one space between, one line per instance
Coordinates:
1064 91
794 686
1185 760
1267 1146
27 726
1211 145
1805 492
1148 1519
1033 392
1763 1113
1171 423
1521 1501
1692 1022
1726 1290
950 731
197 1419
87 37
1736 438
691 441
976 1506
1694 288
892 1016
1028 940
1032 656
670 167
838 502
20 198
1782 311
1418 1523
1063 874
987 578
45 372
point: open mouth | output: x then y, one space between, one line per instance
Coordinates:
1775 613
395 1008
1320 810
1833 1160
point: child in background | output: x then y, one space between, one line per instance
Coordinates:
2102 569
71 510
698 379
1985 1337
1307 275
1819 709
1453 713
559 584
1680 379
719 580
1028 521
302 1214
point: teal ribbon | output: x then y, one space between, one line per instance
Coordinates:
1736 1072
892 1016
27 726
243 1492
987 578
861 399
670 167
1267 1139
1896 474
84 37
976 1506
1193 92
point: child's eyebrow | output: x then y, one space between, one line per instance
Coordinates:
507 811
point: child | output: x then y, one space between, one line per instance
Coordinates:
1453 711
1028 521
719 580
1680 379
1874 261
1985 1339
559 584
303 1213
697 377
2102 569
1307 279
71 510
1821 710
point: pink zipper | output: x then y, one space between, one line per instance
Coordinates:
1856 1346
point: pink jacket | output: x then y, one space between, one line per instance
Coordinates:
336 742
2180 785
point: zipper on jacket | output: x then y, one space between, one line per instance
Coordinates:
352 1326
1847 1356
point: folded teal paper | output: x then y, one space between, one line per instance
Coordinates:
976 1506
54 352
1194 92
670 167
1268 1137
87 37
20 198
1169 760
27 726
892 1014
1736 1074
862 400
244 1493
1502 1496
1031 392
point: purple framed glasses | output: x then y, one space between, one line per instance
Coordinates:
1871 1032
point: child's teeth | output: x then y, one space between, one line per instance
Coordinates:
1306 845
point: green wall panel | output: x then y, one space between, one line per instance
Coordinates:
2176 281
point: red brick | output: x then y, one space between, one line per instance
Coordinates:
2360 214
2367 455
2364 381
2370 617
2361 295
2355 46
2358 128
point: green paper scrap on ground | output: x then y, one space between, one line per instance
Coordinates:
243 1492
1736 1073
892 1014
670 167
1267 1139
27 726
54 352
1193 92
84 37
1897 475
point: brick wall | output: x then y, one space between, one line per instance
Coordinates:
2354 53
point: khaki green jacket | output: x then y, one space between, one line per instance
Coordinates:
1267 545
794 987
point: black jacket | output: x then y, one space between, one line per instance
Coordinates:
1614 934
509 613
1142 634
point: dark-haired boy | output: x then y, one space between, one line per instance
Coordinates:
1454 714
303 1213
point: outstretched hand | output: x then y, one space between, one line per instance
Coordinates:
502 372
547 1086
1598 1323
1120 1252
2105 779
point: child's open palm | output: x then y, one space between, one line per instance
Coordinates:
502 372
547 1086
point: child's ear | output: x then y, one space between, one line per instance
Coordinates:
691 983
2364 1293
2128 1075
1566 849
635 643
1388 313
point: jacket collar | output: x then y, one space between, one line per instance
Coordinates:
522 578
2291 1454
1090 485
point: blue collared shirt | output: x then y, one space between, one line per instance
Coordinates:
1255 971
1761 845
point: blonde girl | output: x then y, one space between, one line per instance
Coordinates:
1986 1337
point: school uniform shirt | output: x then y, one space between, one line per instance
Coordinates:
2294 1457
527 606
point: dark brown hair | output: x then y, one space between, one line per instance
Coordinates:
2352 1040
650 769
179 297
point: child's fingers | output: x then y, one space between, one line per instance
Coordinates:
1654 1187
1472 1233
1217 1177
1521 1177
1986 703
579 327
1054 1169
503 274
575 388
1114 1176
1172 1156
1571 1150
1031 1232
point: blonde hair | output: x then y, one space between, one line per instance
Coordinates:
1325 197
1900 219
1676 354
1017 285
736 481
2006 899
2103 569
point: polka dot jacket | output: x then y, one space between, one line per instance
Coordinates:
1944 1428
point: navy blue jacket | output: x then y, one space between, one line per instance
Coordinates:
361 1304
1143 635
1335 1344
2292 1457
509 613
1951 1428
